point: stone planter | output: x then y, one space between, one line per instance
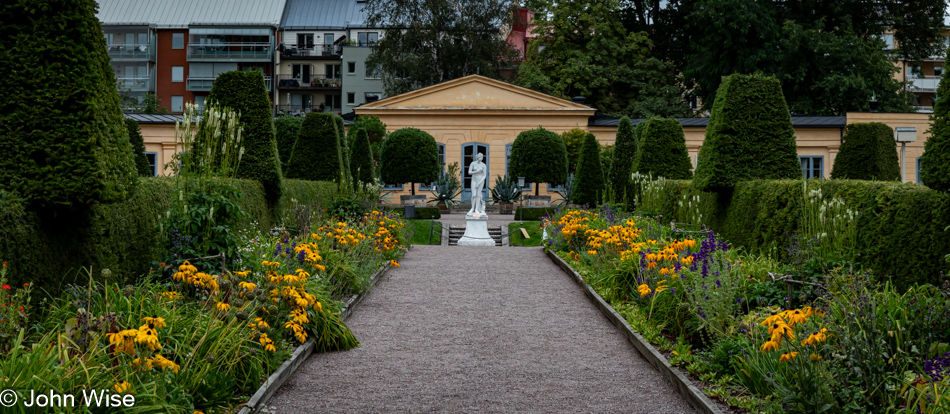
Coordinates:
506 208
443 207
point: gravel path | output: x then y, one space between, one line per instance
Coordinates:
479 329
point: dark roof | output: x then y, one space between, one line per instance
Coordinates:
153 118
323 14
600 119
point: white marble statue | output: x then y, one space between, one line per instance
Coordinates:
478 172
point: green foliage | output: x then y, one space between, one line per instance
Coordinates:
867 153
316 154
625 150
539 156
749 135
534 234
573 141
409 155
375 131
362 167
244 92
344 146
287 128
138 148
662 150
589 184
534 213
201 222
505 190
64 139
587 51
448 186
422 213
425 232
935 162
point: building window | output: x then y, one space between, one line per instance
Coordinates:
178 73
425 187
177 103
918 171
367 38
812 167
200 103
333 71
178 40
527 186
351 98
332 101
938 70
350 68
152 162
305 40
372 72
301 72
888 41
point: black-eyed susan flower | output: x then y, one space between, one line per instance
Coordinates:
163 363
222 307
814 357
147 335
393 263
122 387
644 290
787 357
769 346
157 322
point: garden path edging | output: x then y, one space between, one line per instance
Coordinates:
683 385
275 380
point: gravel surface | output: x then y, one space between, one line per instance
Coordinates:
479 329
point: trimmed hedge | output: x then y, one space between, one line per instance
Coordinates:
138 148
122 237
362 167
422 213
244 92
375 130
935 161
662 150
64 141
625 150
287 128
749 136
533 213
867 153
409 155
539 156
589 183
901 234
317 155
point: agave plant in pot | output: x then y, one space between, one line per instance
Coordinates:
446 188
505 193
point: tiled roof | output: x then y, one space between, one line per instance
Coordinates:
166 14
797 121
153 118
323 14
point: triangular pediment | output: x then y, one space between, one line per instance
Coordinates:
475 92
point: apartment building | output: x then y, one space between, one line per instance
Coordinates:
176 48
923 79
323 49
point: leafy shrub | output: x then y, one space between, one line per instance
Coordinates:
64 139
362 167
202 222
287 128
935 161
422 213
662 150
138 148
589 183
409 155
867 153
244 92
573 141
749 135
533 213
317 155
505 190
539 156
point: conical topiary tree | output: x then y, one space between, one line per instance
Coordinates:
749 135
662 150
63 138
361 159
935 162
409 155
867 152
286 127
539 156
375 130
138 148
244 92
317 154
625 150
589 182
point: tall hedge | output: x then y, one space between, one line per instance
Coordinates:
375 130
138 148
317 154
867 153
409 155
361 159
625 150
749 135
539 156
574 142
286 127
589 182
63 138
344 146
244 92
662 150
935 161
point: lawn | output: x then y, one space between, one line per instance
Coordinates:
534 232
421 229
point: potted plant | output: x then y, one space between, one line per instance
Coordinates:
505 194
446 188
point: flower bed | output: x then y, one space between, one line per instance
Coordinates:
840 344
191 340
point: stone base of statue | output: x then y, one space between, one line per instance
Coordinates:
476 231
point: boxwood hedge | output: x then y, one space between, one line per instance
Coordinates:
662 150
867 153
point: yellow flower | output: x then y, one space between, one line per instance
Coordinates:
247 286
771 320
780 330
318 307
243 273
644 290
170 296
123 341
814 357
163 363
122 387
223 307
815 338
147 335
796 316
769 346
787 357
158 323
393 263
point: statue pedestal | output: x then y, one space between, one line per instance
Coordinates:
476 231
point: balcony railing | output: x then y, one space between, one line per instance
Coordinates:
292 50
132 51
233 52
924 84
304 109
134 84
308 82
204 83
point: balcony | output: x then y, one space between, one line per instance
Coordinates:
924 84
308 82
300 110
203 84
134 84
132 51
231 52
311 51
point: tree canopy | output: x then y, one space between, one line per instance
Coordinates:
409 155
539 156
